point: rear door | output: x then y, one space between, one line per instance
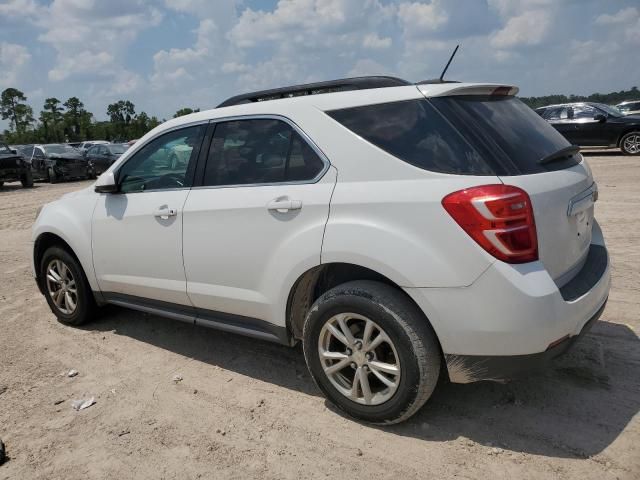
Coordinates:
589 130
257 218
562 191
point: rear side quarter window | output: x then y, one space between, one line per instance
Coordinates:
414 132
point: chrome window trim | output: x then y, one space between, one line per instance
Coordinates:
296 128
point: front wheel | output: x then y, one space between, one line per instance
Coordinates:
65 287
27 179
53 177
371 351
630 143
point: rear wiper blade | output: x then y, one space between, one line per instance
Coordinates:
561 154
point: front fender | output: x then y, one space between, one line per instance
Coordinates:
70 219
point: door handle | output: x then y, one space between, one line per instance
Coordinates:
164 213
284 204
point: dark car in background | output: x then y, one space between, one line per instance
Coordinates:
595 125
56 162
102 156
14 167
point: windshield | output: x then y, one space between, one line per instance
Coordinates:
60 150
613 111
117 149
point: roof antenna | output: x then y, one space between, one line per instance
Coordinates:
448 63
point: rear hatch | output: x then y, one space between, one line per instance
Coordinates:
525 151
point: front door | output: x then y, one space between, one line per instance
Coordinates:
589 130
137 232
561 118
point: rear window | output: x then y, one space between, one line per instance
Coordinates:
507 132
416 133
464 135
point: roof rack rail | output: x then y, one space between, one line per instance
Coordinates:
340 85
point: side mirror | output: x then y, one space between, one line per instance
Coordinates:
106 183
599 117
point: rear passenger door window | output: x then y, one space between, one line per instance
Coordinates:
258 152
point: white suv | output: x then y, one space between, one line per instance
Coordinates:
402 232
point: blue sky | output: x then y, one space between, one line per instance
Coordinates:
166 54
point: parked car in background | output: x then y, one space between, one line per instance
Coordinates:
14 167
103 156
630 107
57 162
84 146
399 233
591 124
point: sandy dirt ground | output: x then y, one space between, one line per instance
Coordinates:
247 409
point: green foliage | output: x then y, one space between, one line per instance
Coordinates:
12 108
70 122
185 111
612 98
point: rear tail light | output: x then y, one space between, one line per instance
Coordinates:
499 218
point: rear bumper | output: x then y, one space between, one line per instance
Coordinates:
472 368
513 316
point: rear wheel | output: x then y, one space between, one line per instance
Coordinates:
630 143
371 351
66 288
27 179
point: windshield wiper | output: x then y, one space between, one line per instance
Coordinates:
561 154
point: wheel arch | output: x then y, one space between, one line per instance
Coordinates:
43 242
625 132
315 281
48 239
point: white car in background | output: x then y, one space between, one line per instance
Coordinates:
401 232
84 146
630 107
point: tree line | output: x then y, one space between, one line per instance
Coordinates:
612 98
69 121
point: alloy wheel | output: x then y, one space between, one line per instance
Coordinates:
632 144
62 287
359 359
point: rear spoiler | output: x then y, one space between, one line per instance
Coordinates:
446 90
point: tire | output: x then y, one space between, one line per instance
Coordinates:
413 348
27 179
85 305
53 178
630 143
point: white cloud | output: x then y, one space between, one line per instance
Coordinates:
83 63
622 16
528 28
375 42
18 8
421 18
368 67
14 60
